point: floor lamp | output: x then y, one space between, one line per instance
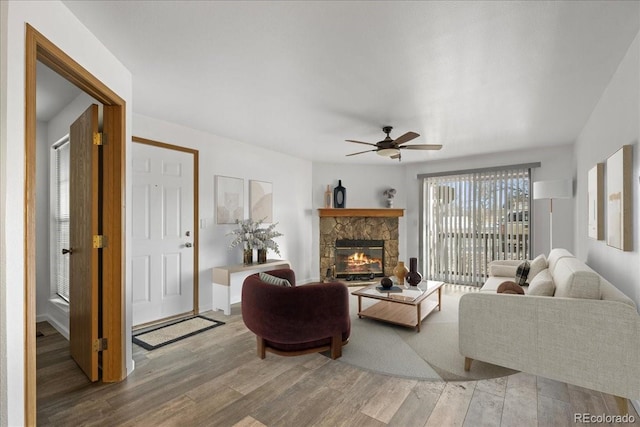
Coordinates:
560 189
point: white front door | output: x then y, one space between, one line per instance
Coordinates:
163 233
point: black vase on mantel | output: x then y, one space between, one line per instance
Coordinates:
413 277
339 196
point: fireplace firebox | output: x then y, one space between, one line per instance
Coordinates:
359 259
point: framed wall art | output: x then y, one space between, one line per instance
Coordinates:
229 199
595 190
261 201
619 220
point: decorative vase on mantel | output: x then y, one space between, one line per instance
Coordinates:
339 196
413 277
248 256
262 256
400 271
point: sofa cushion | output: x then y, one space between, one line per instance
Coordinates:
273 280
555 255
510 287
542 284
574 279
502 270
538 264
522 273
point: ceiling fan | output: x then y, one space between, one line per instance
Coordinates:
391 147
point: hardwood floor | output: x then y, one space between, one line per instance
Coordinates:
216 379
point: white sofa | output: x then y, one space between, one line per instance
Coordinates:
586 334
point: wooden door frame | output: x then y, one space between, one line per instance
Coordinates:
196 209
39 48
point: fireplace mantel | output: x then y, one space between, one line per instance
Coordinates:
361 212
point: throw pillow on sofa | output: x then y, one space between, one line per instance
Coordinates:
538 264
273 280
522 273
542 284
510 287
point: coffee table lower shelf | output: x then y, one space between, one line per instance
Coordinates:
400 314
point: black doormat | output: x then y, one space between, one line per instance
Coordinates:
176 331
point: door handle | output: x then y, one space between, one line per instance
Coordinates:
67 251
188 245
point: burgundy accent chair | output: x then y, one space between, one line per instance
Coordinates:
296 320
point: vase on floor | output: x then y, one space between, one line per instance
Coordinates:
413 277
262 256
400 271
248 256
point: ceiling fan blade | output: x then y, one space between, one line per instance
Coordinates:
360 152
423 147
406 138
360 142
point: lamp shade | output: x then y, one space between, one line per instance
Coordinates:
559 189
388 152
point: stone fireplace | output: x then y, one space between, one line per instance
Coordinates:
359 259
358 224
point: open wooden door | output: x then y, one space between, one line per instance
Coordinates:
84 265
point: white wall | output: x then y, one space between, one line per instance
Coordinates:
42 220
59 125
59 25
364 187
556 163
291 179
4 6
613 123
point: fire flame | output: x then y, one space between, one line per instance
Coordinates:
360 258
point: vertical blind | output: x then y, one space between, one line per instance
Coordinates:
473 218
61 218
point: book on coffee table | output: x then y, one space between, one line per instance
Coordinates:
391 289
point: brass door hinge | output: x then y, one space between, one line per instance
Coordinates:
98 241
98 138
100 344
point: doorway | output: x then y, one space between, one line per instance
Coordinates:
39 48
165 210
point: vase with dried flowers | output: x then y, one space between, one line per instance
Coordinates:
251 235
390 194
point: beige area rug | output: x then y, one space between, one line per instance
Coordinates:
430 354
169 333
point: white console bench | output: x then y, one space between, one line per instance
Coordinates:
228 279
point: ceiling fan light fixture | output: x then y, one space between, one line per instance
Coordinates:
388 152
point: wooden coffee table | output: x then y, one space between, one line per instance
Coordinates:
406 308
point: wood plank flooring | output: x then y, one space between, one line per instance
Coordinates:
216 379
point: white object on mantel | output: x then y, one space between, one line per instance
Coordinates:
227 289
558 189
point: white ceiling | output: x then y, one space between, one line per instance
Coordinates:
301 77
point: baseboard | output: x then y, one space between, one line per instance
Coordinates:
58 316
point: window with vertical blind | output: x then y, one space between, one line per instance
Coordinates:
60 217
470 218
